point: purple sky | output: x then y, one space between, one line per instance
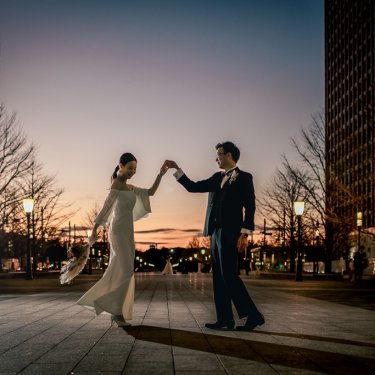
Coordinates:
162 79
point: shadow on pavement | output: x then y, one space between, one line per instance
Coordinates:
264 352
318 338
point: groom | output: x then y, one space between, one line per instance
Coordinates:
229 219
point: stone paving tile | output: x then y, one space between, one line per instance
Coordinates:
61 356
158 368
191 363
48 368
47 333
111 349
101 363
287 371
158 355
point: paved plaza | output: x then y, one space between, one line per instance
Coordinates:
312 327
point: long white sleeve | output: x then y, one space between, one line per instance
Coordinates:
142 205
107 209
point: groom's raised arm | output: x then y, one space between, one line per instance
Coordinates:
202 186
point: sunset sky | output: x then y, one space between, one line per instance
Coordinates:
92 79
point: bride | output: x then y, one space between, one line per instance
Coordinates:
114 292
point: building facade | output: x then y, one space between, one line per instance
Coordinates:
350 109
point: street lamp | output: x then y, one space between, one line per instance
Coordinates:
89 233
359 225
28 206
298 210
317 238
317 234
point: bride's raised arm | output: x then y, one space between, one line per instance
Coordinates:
154 187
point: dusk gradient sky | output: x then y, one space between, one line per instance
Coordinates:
162 79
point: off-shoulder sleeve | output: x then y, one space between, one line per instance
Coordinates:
142 203
107 209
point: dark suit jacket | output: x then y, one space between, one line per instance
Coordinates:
233 205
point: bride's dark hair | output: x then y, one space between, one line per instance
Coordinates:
124 159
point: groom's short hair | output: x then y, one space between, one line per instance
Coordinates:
230 147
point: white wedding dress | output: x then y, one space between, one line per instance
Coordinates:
114 292
168 270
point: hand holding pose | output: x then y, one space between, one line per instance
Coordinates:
171 164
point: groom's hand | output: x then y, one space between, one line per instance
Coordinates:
242 242
171 164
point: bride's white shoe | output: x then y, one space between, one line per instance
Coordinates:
119 320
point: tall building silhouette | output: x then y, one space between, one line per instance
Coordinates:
350 108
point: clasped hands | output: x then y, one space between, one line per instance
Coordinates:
167 165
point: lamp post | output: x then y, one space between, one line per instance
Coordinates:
89 232
359 225
317 237
298 210
28 206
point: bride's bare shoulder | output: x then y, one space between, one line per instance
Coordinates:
117 184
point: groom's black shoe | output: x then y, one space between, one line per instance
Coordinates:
251 323
221 324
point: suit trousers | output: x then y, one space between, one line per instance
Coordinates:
228 286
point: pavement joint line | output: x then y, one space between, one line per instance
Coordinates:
22 303
304 334
71 334
297 352
37 320
280 288
140 326
203 332
96 343
318 338
41 332
170 332
31 297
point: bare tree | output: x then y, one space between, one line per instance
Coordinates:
15 151
195 243
88 222
310 173
316 180
276 203
91 214
22 176
49 211
15 154
206 242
